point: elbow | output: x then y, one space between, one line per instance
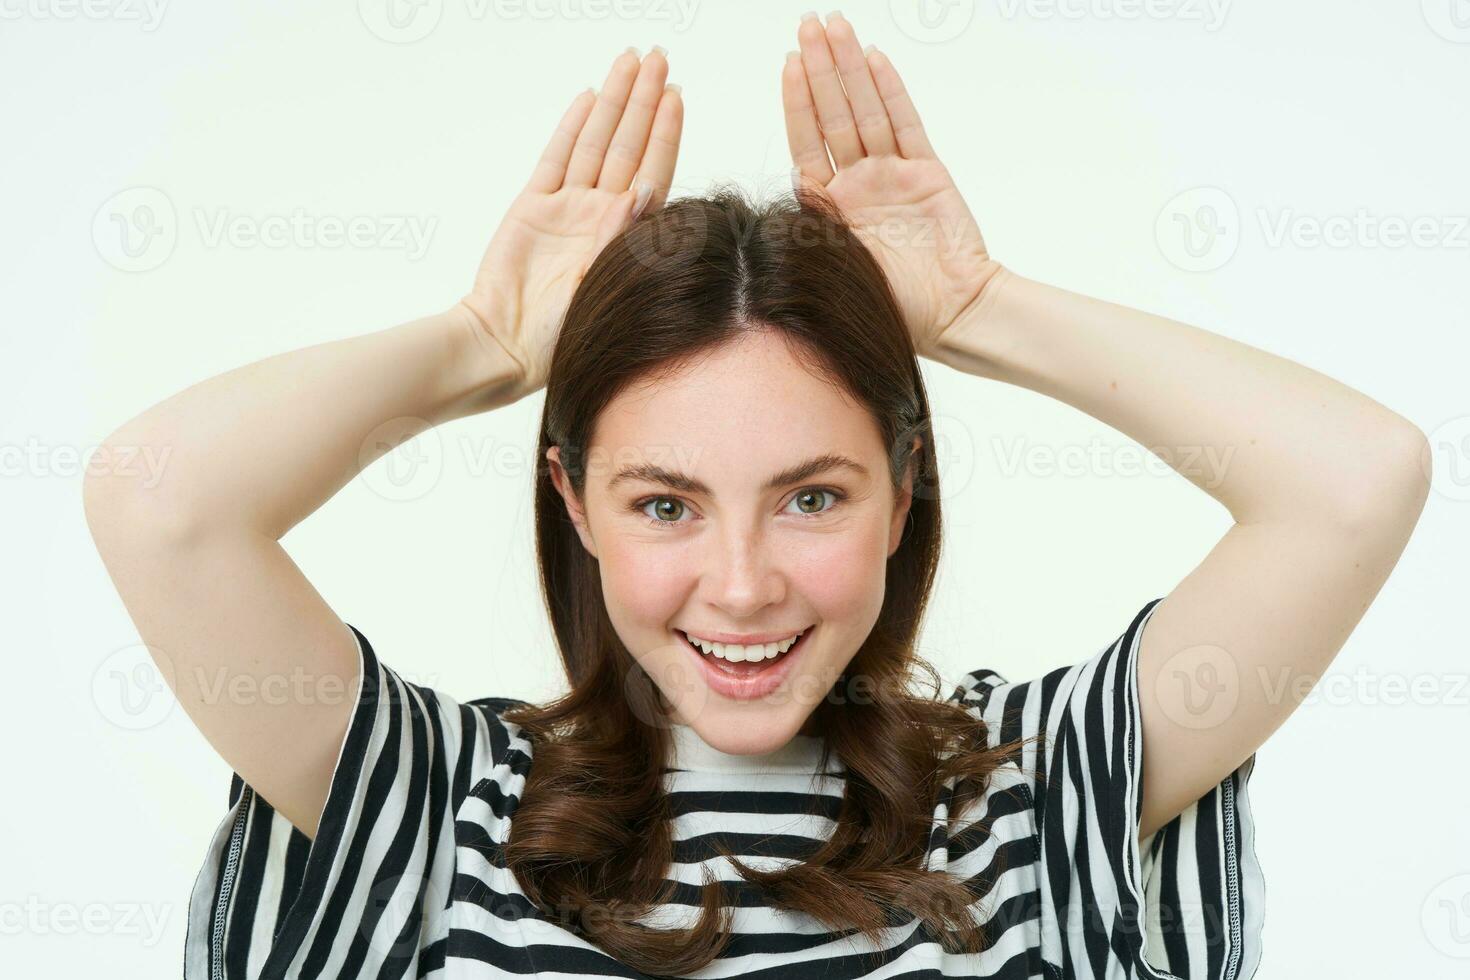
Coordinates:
125 497
1399 468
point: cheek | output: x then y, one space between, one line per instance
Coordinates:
644 588
840 577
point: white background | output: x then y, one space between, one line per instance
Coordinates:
1073 130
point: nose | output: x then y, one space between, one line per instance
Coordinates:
743 575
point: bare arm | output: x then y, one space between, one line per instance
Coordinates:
1324 483
196 558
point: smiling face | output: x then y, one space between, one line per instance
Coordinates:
705 520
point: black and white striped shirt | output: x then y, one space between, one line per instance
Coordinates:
405 878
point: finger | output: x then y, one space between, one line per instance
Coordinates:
551 169
613 221
834 115
631 138
804 186
908 129
592 143
862 93
803 135
663 146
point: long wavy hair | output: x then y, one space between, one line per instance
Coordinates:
591 839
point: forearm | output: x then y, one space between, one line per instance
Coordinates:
264 445
1266 437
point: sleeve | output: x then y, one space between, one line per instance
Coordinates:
367 896
1187 902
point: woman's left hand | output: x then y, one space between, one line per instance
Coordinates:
897 197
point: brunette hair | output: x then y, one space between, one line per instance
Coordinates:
591 837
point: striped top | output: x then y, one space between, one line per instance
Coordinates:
406 876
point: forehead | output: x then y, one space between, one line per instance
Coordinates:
750 404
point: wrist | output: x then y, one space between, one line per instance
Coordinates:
484 374
973 340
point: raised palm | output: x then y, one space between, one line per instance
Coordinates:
883 174
584 190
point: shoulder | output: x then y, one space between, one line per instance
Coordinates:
975 688
468 738
493 705
504 743
1102 684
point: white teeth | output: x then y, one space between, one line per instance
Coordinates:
738 654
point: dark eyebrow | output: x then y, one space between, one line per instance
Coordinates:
688 484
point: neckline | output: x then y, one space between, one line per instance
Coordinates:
800 755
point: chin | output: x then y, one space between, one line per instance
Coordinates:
744 737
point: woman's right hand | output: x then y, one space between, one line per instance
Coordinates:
584 191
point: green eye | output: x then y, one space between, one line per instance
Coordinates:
802 499
667 511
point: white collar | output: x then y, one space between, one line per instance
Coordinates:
800 755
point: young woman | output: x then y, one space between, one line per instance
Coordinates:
737 528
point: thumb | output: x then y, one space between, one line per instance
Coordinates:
621 215
803 186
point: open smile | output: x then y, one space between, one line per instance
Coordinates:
745 680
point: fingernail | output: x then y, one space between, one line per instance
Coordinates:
645 191
633 51
674 87
835 13
869 50
661 50
809 15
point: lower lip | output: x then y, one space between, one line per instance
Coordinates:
756 685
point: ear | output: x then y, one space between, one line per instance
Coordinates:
563 484
904 501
